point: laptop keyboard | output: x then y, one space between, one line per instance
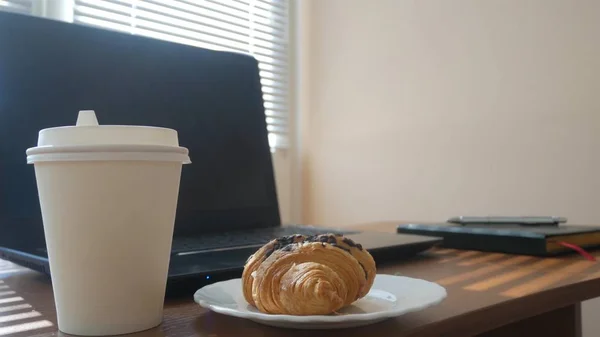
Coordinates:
255 237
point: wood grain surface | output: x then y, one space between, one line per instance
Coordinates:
489 294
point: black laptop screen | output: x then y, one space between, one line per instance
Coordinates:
50 70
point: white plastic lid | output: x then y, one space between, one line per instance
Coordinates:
88 140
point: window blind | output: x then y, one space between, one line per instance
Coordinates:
17 6
257 27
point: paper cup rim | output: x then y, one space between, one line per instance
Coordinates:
108 153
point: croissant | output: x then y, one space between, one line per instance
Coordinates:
315 275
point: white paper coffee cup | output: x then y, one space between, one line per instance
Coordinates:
108 196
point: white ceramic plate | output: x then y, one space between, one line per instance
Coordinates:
389 297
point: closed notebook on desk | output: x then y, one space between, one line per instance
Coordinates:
512 239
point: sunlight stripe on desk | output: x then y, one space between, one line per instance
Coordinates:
482 259
7 271
15 307
461 255
511 276
444 251
483 270
10 299
8 292
12 329
548 279
16 317
592 276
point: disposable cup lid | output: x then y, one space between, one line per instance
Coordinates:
87 140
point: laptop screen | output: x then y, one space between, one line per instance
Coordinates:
50 70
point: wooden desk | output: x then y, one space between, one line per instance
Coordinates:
488 295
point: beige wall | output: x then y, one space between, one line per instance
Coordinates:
420 110
282 170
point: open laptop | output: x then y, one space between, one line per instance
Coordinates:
228 204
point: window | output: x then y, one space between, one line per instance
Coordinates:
17 6
257 27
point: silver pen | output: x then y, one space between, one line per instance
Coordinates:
508 220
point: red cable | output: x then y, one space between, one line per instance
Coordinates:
578 249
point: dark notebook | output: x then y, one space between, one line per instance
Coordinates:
513 239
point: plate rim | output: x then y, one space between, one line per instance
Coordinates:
319 318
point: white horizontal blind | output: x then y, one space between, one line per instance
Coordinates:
16 6
258 27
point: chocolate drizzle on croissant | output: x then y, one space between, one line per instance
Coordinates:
351 243
312 275
283 242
